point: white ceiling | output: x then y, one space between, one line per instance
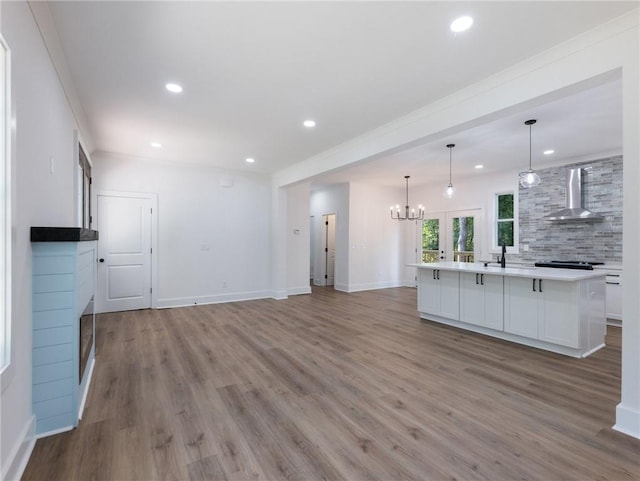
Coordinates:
253 71
575 127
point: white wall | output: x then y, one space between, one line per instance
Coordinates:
628 411
298 239
332 200
375 240
44 128
369 245
476 192
194 211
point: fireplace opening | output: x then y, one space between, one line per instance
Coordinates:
86 337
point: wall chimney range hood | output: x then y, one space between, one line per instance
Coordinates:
574 209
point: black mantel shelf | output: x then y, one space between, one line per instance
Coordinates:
62 234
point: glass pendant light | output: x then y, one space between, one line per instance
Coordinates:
529 178
450 191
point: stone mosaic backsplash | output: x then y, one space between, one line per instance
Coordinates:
584 240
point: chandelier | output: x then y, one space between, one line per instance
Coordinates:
409 213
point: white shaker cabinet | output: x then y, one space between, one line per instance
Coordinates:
439 292
560 310
521 307
542 309
551 311
560 320
481 297
614 294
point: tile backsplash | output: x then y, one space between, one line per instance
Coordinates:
585 240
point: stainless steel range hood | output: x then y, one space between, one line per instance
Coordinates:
574 210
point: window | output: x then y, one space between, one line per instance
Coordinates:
463 239
5 208
505 232
430 240
84 190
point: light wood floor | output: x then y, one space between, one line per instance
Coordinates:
335 386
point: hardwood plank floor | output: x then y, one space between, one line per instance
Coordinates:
335 386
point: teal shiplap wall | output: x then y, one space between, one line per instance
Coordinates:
63 284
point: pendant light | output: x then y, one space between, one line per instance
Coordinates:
450 191
529 178
409 214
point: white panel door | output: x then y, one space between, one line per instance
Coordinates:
124 253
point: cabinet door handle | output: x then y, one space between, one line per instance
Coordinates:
540 285
534 285
476 278
482 279
613 275
613 283
434 274
438 274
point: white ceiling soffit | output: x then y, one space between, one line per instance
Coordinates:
575 127
253 71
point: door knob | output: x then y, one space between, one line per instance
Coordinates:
101 259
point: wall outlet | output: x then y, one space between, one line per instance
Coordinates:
525 247
225 284
204 247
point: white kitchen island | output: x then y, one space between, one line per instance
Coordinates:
560 310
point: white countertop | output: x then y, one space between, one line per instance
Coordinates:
609 267
546 273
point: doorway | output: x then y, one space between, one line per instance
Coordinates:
124 251
312 249
329 249
449 236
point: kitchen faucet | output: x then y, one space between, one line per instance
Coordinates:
503 260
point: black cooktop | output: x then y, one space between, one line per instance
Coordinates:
587 266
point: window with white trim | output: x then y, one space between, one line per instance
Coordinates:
85 189
505 230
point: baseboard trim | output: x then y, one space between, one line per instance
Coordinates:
370 286
54 432
213 299
627 421
19 457
525 341
83 401
279 295
295 291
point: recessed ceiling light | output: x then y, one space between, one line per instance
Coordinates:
461 24
548 152
309 123
479 166
174 88
250 160
157 145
